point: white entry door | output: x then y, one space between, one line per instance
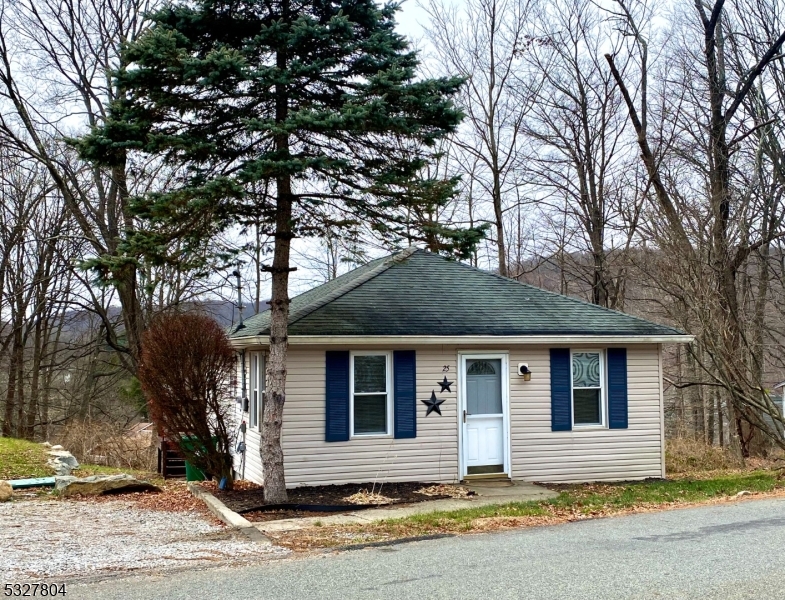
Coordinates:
484 432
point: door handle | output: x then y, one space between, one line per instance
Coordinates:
464 416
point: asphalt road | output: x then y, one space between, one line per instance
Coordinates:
728 551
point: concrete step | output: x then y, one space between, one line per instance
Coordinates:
483 477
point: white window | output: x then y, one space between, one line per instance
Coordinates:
256 389
370 394
588 387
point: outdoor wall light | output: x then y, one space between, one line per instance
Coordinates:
523 371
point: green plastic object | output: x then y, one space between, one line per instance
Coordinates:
23 484
192 473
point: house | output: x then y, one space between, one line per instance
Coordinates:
778 396
418 368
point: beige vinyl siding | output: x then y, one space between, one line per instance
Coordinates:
309 460
252 467
537 453
585 453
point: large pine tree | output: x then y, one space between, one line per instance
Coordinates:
308 114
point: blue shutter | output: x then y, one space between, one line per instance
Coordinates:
561 390
617 388
337 396
405 393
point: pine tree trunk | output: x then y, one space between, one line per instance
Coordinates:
275 393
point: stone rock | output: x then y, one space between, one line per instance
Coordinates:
6 491
46 444
102 484
57 447
62 461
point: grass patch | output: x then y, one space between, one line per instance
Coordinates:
575 502
601 499
20 459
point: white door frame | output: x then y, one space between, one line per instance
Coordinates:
463 356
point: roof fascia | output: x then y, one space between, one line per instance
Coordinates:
518 340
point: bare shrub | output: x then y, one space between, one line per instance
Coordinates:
185 372
111 444
685 455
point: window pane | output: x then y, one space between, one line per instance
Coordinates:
252 373
370 374
484 387
483 367
370 414
586 406
586 369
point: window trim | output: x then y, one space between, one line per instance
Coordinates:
603 424
255 384
389 392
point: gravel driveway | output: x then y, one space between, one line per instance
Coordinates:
729 551
66 539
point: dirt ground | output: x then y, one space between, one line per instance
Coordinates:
318 500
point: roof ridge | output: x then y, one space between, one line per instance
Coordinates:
385 262
543 290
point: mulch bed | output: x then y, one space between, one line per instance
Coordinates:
318 500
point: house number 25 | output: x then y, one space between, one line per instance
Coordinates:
445 368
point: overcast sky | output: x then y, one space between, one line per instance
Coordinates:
410 19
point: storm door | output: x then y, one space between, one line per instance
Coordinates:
483 416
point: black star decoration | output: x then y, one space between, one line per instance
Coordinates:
445 384
433 404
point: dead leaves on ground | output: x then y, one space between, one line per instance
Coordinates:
239 484
174 497
442 489
366 497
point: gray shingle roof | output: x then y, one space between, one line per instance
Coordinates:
416 292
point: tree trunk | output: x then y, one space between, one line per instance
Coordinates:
275 393
720 417
35 387
501 246
132 314
10 396
258 267
709 400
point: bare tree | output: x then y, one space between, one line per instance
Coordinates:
57 62
710 221
482 42
580 157
36 284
